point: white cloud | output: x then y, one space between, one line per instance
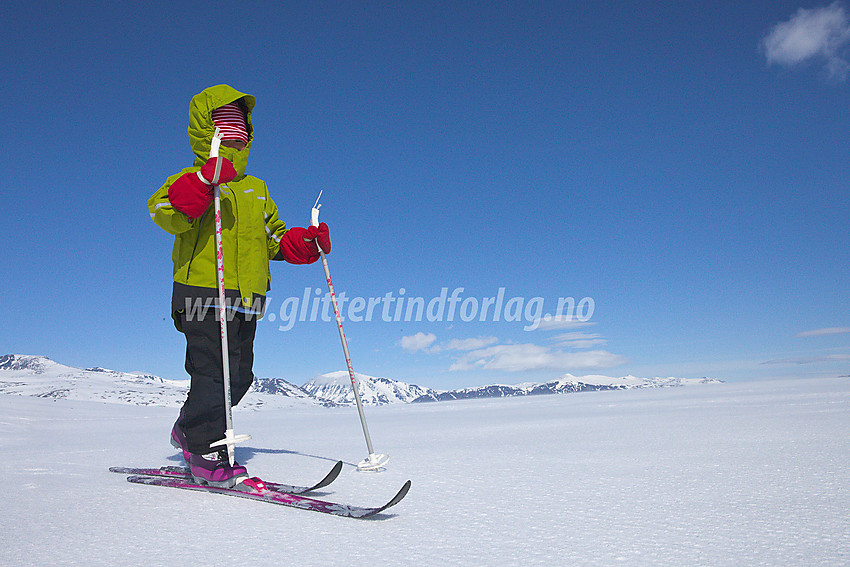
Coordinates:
580 340
819 34
559 323
421 341
825 331
470 344
418 341
483 353
524 357
842 358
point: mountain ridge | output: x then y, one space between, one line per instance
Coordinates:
39 376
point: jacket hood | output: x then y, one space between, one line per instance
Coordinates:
201 127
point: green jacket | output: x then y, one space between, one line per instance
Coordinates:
251 229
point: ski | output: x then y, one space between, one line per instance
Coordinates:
182 473
256 489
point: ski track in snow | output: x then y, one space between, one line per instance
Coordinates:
748 473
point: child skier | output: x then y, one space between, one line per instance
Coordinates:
252 234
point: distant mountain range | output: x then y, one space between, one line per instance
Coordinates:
336 387
39 376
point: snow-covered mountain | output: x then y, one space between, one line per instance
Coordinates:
41 377
564 385
280 387
505 391
336 387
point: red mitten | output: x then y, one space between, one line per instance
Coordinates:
190 195
298 244
226 175
320 234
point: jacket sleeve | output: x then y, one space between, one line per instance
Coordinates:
163 212
275 228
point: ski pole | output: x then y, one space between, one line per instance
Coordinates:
373 462
230 439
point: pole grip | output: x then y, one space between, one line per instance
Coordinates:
314 214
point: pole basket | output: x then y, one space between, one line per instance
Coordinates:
373 463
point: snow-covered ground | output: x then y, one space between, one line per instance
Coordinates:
748 473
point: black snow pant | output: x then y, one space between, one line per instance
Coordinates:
203 415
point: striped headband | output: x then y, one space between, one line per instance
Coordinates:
231 121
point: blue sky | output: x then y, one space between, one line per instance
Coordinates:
682 168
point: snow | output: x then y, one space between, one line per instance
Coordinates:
750 473
632 381
30 375
336 387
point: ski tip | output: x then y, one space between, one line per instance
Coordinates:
400 494
329 478
395 500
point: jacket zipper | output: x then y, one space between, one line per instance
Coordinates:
236 234
194 247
